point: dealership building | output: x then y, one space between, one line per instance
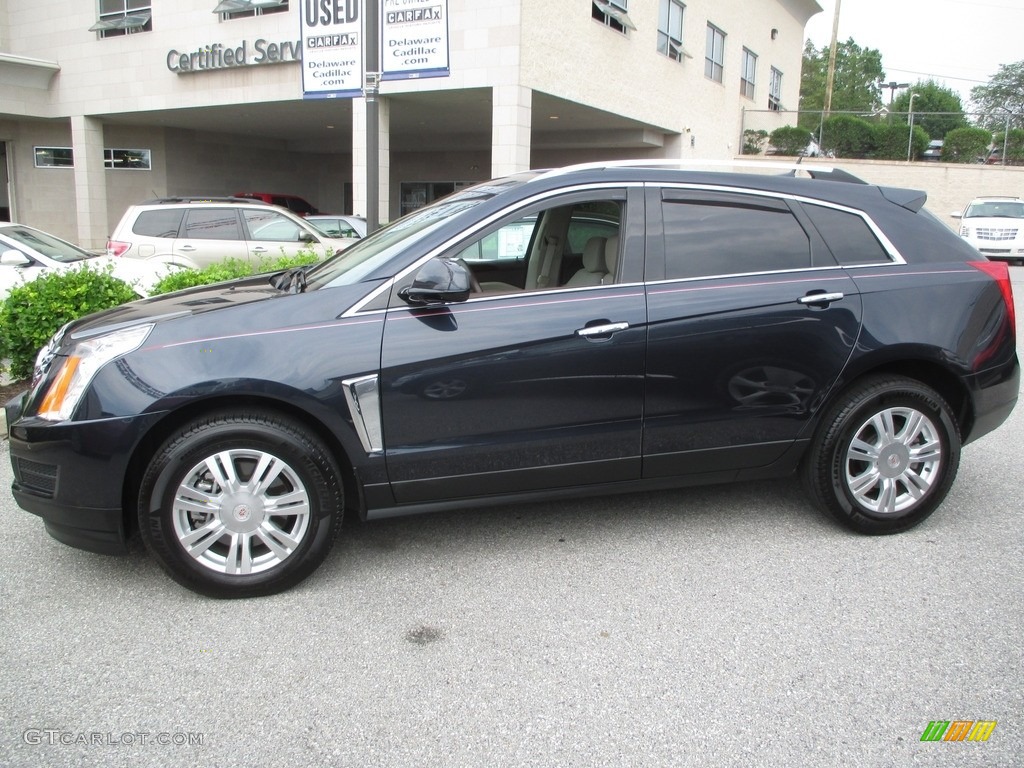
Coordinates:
107 103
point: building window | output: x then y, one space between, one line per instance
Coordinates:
714 58
748 73
123 17
613 13
670 29
127 159
239 9
54 157
775 91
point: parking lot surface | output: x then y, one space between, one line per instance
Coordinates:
728 625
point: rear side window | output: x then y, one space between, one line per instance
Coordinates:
159 223
726 234
847 235
212 224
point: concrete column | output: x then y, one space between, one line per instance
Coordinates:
90 181
511 126
359 191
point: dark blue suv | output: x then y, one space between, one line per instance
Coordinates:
587 330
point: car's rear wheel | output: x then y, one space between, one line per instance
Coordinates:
240 504
884 456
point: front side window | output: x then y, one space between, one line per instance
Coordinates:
748 74
613 13
709 235
567 246
123 17
271 225
670 29
240 9
775 91
714 57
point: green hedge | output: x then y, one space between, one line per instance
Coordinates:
33 312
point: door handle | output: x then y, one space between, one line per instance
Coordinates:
820 298
606 329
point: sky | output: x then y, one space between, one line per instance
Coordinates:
957 43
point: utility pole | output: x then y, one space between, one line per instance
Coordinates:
831 76
370 91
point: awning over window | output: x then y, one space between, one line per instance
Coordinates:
237 6
130 21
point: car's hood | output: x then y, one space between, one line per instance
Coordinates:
215 301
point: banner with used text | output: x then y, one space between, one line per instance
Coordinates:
414 39
332 51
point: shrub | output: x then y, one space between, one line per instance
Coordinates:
33 312
753 141
790 140
848 136
229 269
965 145
890 141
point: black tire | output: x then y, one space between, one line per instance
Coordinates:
905 454
204 478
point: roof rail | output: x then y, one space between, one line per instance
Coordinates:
202 199
813 171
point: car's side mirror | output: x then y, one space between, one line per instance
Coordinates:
439 280
13 258
956 214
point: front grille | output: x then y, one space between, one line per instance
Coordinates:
997 233
35 477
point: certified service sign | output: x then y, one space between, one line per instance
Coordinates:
414 38
332 51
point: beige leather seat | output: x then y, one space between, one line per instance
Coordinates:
594 265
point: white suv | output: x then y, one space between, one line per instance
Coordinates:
197 232
995 226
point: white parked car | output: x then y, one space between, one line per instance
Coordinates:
195 232
27 253
995 226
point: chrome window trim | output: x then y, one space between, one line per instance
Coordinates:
467 234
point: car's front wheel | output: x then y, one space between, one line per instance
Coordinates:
240 504
884 456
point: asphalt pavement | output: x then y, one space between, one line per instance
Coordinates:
721 626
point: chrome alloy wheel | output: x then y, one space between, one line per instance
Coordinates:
893 460
241 511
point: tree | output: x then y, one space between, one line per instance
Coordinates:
855 86
1005 91
965 145
930 97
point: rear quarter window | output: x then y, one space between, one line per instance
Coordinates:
847 235
159 223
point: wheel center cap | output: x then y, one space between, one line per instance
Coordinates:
894 460
242 512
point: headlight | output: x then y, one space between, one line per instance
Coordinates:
78 369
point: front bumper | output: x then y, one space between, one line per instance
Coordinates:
72 474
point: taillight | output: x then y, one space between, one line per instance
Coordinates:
1001 272
117 248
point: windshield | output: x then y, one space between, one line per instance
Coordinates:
366 256
1010 209
47 245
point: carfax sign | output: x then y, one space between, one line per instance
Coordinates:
332 53
414 39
